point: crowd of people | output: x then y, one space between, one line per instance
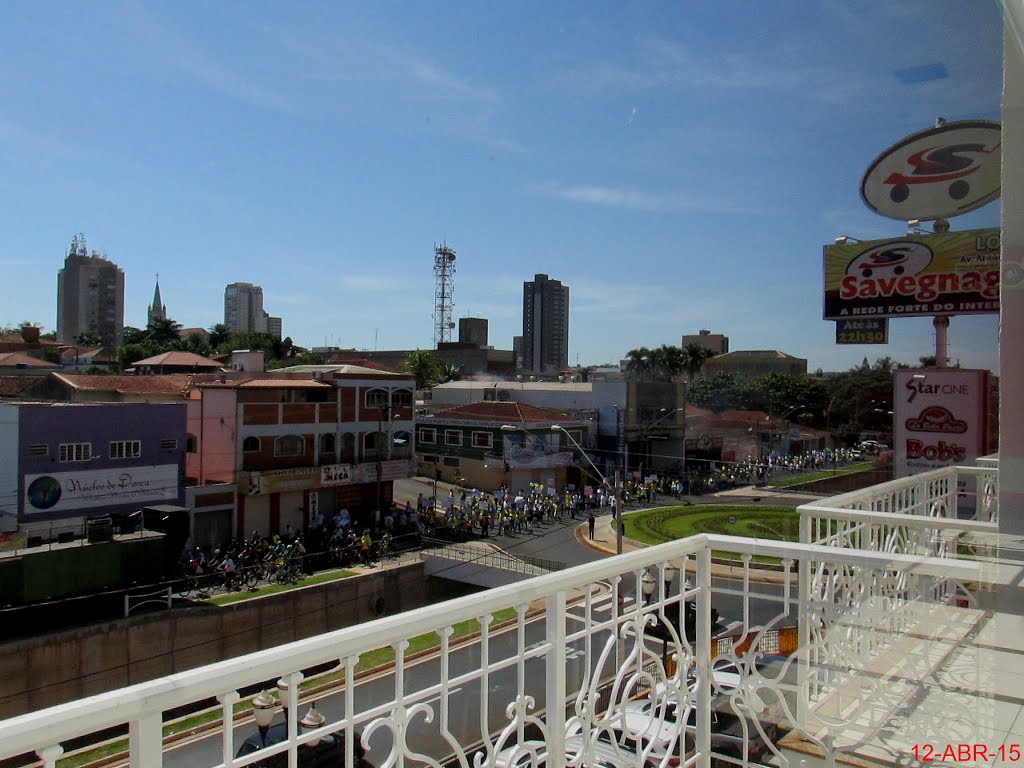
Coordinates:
338 540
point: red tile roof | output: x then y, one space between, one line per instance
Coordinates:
167 383
284 383
182 359
504 412
15 386
11 359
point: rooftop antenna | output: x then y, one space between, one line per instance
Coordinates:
444 293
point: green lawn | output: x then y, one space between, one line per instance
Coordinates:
271 589
657 526
786 482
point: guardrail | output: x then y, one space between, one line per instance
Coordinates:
583 638
493 559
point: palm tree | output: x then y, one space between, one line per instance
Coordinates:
424 365
219 333
448 372
669 360
639 363
693 358
162 330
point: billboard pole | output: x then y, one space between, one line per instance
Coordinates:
941 324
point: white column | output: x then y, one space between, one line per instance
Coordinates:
1011 321
145 742
554 622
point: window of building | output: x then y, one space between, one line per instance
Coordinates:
451 461
401 397
376 398
38 449
453 437
125 449
401 445
289 445
576 435
251 445
429 458
169 444
190 443
483 439
428 435
75 452
371 442
326 443
348 448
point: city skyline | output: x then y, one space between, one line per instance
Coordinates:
679 168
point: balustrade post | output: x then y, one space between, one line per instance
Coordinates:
703 626
554 625
804 619
228 701
145 741
49 755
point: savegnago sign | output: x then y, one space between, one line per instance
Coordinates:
100 488
953 273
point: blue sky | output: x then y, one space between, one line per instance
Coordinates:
678 165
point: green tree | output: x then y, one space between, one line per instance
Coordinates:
134 335
448 372
219 333
162 331
425 366
195 344
640 363
692 359
87 339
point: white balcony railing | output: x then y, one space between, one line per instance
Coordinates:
558 658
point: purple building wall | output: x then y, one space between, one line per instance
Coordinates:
50 489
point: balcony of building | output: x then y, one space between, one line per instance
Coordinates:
878 636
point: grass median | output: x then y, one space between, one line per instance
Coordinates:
810 477
656 526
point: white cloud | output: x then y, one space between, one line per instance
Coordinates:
637 200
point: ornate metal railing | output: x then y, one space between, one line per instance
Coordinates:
585 640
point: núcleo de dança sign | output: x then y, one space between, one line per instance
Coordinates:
67 491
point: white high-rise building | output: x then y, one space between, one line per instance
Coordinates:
244 313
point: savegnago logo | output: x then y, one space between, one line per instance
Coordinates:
922 287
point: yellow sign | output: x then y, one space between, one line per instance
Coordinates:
953 273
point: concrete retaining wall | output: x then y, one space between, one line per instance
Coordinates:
52 669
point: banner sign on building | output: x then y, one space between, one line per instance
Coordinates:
866 330
279 480
335 474
940 418
953 273
66 491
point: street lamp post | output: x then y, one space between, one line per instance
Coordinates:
617 518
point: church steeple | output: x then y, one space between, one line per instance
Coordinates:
157 310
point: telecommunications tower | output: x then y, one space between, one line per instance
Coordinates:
444 291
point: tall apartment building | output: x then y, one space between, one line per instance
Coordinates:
545 324
244 313
90 297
